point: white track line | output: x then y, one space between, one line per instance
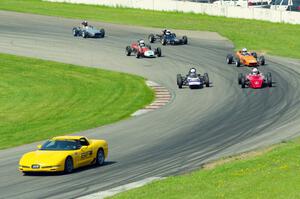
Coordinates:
116 190
162 97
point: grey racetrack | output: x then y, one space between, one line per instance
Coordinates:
195 127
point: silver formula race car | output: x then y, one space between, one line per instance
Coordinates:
193 80
88 32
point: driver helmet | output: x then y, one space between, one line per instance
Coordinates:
244 50
142 43
168 32
192 70
84 23
254 71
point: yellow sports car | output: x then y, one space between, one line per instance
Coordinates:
64 153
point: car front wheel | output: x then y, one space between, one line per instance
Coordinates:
100 159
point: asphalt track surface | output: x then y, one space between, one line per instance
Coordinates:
195 127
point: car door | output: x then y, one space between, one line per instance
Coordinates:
86 152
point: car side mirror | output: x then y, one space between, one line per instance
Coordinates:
39 146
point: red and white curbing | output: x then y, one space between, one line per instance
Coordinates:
162 97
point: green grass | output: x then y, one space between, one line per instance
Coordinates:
272 38
272 175
40 99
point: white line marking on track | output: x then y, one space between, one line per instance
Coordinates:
119 189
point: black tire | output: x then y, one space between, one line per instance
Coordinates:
185 39
229 59
163 41
240 78
254 54
269 79
75 32
103 32
243 82
237 62
138 55
179 80
128 50
84 34
151 38
100 158
158 51
262 60
68 165
206 79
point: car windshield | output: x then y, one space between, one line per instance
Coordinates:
61 145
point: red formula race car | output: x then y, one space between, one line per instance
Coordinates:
255 80
140 49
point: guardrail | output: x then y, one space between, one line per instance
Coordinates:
210 9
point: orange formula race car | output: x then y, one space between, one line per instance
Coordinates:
243 57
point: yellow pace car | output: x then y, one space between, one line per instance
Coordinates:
64 153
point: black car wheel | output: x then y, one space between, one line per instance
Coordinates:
185 39
158 52
102 32
68 165
100 159
163 41
243 82
240 78
179 80
269 79
128 50
151 38
262 60
75 32
206 79
84 34
237 62
229 59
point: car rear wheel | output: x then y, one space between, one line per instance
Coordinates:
243 82
185 39
262 60
68 165
151 38
229 59
100 159
237 62
158 52
179 81
102 32
128 50
138 55
269 79
206 79
75 34
84 34
240 78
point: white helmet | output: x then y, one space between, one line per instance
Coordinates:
168 32
142 42
244 50
192 70
254 71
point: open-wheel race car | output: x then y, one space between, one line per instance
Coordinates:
243 57
193 80
255 79
87 31
140 49
167 37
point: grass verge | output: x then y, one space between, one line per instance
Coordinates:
272 173
273 38
40 99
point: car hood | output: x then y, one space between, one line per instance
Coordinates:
44 157
250 59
